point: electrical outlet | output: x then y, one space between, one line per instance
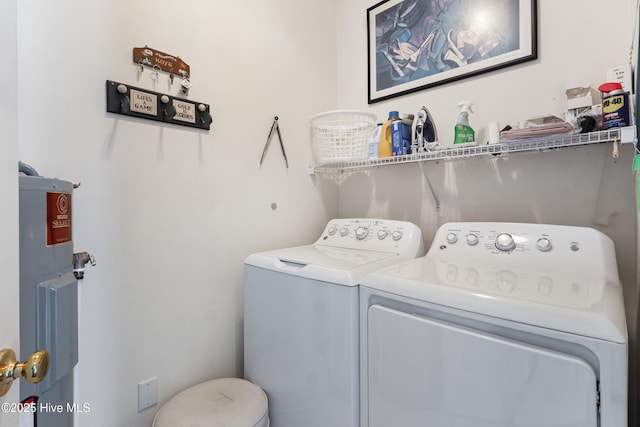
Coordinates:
147 393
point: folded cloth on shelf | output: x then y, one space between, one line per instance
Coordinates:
535 131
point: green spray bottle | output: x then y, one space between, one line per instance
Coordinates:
463 132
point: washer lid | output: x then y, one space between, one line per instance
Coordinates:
590 306
327 263
331 256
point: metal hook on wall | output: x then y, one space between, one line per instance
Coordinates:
140 68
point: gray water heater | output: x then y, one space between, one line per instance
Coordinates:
48 294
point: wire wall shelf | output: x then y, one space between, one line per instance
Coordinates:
618 135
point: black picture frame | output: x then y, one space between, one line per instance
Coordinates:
418 44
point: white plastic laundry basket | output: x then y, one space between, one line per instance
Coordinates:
341 135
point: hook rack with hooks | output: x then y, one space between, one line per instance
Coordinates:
147 104
154 58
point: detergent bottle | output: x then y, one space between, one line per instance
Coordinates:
374 141
463 132
384 147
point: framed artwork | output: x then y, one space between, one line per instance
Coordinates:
418 44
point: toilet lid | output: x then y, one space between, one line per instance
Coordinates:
229 402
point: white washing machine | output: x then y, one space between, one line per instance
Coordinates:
501 325
301 318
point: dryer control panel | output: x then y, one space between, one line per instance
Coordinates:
518 239
536 262
382 235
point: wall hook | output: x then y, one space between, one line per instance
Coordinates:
140 68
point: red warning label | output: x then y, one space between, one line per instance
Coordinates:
58 218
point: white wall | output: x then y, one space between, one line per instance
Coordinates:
9 316
169 212
577 186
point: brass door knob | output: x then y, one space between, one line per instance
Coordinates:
34 369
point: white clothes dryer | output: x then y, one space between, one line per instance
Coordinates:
301 318
501 325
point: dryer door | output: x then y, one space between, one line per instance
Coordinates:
423 372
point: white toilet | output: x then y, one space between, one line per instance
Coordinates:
229 402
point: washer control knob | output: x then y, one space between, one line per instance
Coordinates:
544 244
396 235
472 239
332 231
361 232
382 234
344 231
505 242
452 238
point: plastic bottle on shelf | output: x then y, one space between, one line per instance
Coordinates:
464 133
384 147
374 141
407 125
